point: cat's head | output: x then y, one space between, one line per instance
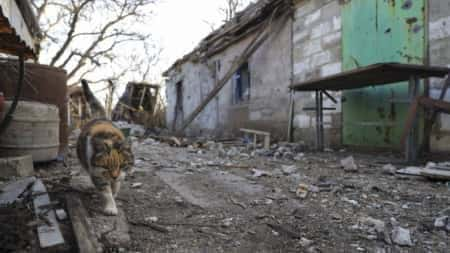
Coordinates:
114 156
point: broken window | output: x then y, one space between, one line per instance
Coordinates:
242 84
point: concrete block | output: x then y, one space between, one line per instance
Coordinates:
304 8
440 28
332 39
331 69
302 121
256 115
320 59
301 36
20 166
337 23
302 66
311 47
321 30
332 9
313 17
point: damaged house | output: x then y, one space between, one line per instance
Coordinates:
240 75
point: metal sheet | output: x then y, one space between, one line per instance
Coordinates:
380 31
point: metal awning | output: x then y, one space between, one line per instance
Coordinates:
19 30
377 74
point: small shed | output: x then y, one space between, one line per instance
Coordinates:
141 104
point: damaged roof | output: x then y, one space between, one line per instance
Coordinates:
19 29
243 24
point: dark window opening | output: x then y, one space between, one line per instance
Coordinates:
178 117
242 84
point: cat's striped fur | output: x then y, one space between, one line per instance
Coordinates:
105 153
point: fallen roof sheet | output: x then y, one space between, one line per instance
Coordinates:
377 74
19 31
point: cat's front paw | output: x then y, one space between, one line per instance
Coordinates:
111 211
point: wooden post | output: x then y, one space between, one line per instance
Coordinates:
321 133
317 108
411 142
290 134
267 141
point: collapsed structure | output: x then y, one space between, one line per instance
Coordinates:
239 75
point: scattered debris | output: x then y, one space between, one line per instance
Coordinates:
410 171
61 214
289 169
402 236
136 185
436 173
21 166
441 222
260 173
349 164
302 191
151 219
305 242
389 169
350 201
283 229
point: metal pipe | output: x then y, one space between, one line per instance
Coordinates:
317 121
9 115
321 144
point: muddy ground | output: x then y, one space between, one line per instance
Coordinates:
236 199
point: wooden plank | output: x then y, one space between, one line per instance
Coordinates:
254 131
429 123
410 171
11 192
437 105
412 114
436 174
86 239
49 234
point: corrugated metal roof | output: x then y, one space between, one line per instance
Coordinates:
19 31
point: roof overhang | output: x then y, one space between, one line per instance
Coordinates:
19 31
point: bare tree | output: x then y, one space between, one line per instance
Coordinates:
83 36
231 7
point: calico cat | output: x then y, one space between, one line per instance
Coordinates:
104 152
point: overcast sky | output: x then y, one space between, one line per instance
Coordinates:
178 25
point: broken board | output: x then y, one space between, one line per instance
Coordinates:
12 191
436 174
49 234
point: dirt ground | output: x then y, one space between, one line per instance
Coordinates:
236 199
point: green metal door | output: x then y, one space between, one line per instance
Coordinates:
377 31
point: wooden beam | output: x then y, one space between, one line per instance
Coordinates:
435 105
86 238
251 48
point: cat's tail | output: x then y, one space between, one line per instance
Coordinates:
96 109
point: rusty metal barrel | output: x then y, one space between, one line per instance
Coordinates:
43 84
34 130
